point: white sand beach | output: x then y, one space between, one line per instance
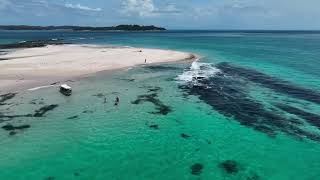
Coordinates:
25 68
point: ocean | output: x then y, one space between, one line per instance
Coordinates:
248 109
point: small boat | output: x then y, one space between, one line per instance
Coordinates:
65 90
198 78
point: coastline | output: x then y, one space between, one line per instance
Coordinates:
28 68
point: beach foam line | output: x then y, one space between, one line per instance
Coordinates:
40 87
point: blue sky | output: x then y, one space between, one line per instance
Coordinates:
172 14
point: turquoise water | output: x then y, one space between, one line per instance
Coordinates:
254 117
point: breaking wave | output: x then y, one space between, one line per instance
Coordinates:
197 71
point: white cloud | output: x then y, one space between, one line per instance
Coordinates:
141 7
170 8
81 7
146 8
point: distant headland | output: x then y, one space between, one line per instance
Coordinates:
84 28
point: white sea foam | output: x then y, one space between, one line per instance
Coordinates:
40 87
197 71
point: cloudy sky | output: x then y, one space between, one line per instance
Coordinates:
172 14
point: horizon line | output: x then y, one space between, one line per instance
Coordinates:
169 29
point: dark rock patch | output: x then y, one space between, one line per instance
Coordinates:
296 121
76 174
276 84
161 68
33 102
230 166
154 89
10 127
38 113
43 110
6 97
196 169
127 80
12 133
311 118
37 101
55 83
15 116
73 117
253 176
4 118
185 136
208 141
31 44
87 111
154 126
228 94
153 98
50 178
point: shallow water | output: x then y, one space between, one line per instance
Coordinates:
255 117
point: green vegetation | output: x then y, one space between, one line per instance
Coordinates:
84 28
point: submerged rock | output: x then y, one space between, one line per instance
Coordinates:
42 111
12 133
154 89
88 111
162 109
31 44
128 80
311 118
276 84
196 169
73 117
10 127
228 92
5 97
50 178
154 126
230 166
253 177
185 136
161 68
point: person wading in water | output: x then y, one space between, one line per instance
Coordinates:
117 101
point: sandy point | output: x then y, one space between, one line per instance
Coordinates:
26 68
